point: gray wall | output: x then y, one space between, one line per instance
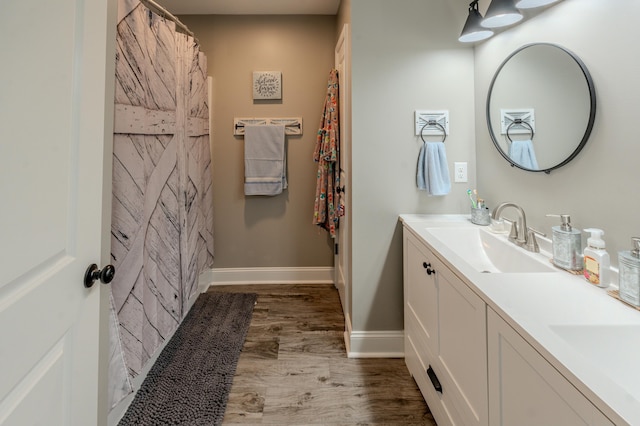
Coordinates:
405 56
600 187
266 231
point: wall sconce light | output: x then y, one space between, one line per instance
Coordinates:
472 30
501 13
530 4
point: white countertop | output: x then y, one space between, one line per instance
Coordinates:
535 304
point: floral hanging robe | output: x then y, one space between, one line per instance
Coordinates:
326 210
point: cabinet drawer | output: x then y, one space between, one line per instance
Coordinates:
439 403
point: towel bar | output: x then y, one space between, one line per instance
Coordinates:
292 125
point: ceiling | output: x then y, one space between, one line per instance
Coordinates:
251 7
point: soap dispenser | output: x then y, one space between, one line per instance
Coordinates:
567 244
629 265
596 259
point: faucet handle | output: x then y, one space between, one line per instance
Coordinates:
532 242
513 233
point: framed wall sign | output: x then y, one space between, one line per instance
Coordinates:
267 85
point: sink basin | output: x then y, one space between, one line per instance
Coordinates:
612 349
488 253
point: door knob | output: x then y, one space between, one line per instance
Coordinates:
93 274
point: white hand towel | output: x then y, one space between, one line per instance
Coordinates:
522 153
264 160
433 171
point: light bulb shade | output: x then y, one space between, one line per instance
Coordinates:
472 30
501 13
530 4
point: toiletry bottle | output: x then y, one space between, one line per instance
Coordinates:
596 259
567 244
629 265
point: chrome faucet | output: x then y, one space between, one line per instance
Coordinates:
518 233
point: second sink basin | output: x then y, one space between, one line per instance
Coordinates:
488 253
612 349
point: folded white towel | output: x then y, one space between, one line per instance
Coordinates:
522 153
264 160
433 171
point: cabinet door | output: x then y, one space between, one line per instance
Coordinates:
445 329
421 296
421 328
462 346
524 389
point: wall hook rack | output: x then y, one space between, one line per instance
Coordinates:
517 121
424 118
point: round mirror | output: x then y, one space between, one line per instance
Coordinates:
541 107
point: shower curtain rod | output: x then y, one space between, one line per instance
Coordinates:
166 14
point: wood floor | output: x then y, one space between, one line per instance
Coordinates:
293 369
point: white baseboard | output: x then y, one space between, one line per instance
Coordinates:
374 344
342 291
204 280
347 334
238 276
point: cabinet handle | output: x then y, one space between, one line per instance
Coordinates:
434 379
427 266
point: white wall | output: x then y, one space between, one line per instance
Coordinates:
599 188
405 56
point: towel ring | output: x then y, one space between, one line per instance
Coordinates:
433 123
520 122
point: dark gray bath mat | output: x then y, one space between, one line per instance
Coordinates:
189 383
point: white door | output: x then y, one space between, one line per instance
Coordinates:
343 237
53 78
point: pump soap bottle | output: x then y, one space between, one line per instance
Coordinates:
596 259
629 265
567 244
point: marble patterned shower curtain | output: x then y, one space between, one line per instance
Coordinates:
161 232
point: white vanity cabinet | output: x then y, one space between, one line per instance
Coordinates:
495 349
524 389
445 338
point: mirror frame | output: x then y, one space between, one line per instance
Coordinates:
592 111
